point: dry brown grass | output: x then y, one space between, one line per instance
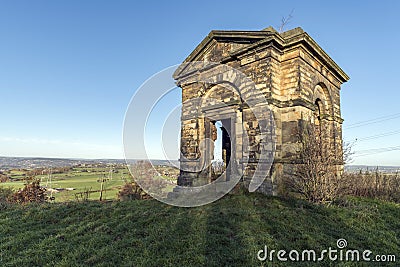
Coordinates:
372 184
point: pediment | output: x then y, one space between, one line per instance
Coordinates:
220 44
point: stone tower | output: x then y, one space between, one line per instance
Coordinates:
299 80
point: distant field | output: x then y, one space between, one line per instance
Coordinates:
81 179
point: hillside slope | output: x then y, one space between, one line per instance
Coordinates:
228 232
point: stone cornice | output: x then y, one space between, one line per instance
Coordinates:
242 36
297 36
260 39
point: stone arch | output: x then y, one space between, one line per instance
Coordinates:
223 92
323 105
321 93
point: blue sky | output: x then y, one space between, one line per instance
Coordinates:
69 68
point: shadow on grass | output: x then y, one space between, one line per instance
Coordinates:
224 245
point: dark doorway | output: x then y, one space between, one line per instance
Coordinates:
222 146
226 145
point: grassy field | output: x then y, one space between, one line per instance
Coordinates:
83 179
80 179
228 232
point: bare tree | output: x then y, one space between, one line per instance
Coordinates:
285 21
317 176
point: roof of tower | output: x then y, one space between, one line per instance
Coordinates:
253 39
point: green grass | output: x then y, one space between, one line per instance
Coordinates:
228 232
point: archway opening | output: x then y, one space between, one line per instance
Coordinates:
218 142
222 147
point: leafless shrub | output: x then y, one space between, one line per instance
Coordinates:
319 178
317 174
131 191
32 192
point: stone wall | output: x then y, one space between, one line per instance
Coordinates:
290 70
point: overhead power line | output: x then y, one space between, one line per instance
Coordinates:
367 152
373 121
376 136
